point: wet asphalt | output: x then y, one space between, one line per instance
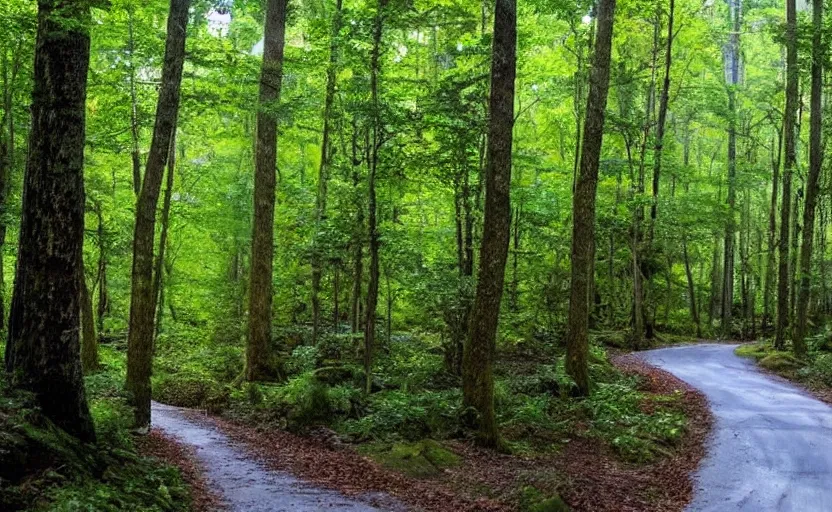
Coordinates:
245 483
771 445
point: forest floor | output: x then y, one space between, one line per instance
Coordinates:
253 465
766 429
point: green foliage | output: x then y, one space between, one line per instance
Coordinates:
532 500
407 415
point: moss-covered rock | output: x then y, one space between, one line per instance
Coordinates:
422 459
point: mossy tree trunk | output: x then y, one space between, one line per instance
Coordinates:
142 302
583 203
812 183
479 351
43 348
789 123
258 358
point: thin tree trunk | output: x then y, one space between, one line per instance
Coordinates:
103 295
323 172
772 233
378 136
89 341
258 364
159 269
479 351
135 156
813 181
792 76
43 346
583 203
140 334
694 311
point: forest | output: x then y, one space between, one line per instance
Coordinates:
438 255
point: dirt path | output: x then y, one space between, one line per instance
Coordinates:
245 484
771 447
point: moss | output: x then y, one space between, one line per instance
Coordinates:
754 350
780 362
532 500
423 459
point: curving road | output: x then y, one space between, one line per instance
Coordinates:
771 445
245 484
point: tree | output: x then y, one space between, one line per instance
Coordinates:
812 182
479 351
583 203
258 365
43 348
142 302
323 173
789 124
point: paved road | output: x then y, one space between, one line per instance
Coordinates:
771 448
244 483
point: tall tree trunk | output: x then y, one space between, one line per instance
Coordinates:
43 347
480 349
323 172
694 311
792 76
159 267
89 341
664 99
772 233
372 224
813 181
730 228
258 364
583 203
142 307
7 162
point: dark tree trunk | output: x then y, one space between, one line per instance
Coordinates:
813 181
664 99
730 228
372 225
694 311
258 365
792 76
142 301
479 351
43 348
583 203
323 172
89 341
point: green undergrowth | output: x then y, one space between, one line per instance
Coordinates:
44 469
814 371
414 399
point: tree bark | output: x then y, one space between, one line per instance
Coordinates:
583 203
479 351
792 76
730 228
812 182
103 295
142 306
43 347
258 366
